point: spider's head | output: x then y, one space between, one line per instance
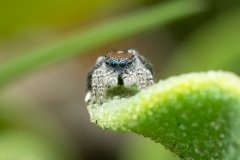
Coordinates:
120 59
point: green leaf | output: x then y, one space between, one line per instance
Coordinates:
196 115
98 35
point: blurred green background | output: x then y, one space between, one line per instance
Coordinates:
43 115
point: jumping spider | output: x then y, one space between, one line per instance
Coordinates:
118 68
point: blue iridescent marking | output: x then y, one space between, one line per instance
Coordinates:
114 64
122 64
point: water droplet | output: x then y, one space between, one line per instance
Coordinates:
150 113
137 108
194 124
220 144
151 105
134 116
182 127
197 151
184 134
222 135
214 125
184 116
116 97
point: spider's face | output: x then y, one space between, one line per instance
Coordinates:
119 60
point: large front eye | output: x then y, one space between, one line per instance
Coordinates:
114 64
122 64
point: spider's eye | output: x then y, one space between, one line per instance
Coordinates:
107 62
114 64
122 64
129 62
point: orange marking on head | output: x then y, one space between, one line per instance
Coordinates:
114 56
130 56
122 55
107 56
119 55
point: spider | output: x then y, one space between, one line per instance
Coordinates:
126 68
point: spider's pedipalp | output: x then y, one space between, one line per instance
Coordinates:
112 81
129 79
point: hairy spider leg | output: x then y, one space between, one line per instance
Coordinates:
149 77
94 85
101 86
97 84
141 78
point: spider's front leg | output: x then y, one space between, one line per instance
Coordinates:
100 81
140 75
97 85
149 77
145 77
